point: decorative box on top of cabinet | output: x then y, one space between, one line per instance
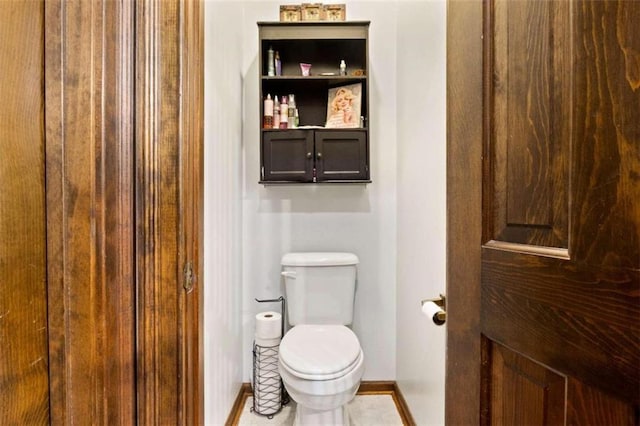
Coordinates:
312 153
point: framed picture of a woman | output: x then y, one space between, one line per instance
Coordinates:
343 106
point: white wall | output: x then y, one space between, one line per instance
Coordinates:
223 210
421 204
355 218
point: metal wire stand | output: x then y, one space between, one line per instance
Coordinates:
267 385
269 394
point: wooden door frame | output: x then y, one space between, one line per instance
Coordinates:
464 209
169 212
124 198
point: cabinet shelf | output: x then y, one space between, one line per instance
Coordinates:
314 154
332 78
324 182
324 129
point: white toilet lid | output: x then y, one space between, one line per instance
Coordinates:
319 351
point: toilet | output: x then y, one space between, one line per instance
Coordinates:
320 359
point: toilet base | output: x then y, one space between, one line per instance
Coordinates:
306 416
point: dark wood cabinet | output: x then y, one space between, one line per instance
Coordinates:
316 156
312 153
287 156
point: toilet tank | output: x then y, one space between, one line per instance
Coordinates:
320 287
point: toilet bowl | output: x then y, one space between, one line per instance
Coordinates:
321 367
320 359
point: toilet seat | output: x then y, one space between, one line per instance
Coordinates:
320 352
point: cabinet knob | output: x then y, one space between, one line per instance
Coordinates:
319 155
309 155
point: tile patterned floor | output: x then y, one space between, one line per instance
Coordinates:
365 410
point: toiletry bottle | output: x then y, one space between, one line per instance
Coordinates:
284 110
343 68
271 70
268 113
276 113
278 64
292 112
297 118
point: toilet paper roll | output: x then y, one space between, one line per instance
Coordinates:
267 343
269 325
431 310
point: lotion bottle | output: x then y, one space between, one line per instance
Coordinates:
268 112
284 113
292 112
271 70
276 113
278 64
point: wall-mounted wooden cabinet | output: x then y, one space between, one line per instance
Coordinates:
315 156
311 152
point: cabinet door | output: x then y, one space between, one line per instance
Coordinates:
341 155
287 155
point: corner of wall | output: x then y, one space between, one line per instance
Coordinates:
421 224
223 209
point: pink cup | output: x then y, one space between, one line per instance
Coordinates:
305 68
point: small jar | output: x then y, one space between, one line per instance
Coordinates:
343 67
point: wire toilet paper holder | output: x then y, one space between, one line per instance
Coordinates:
267 382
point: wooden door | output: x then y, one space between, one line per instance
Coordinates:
24 378
100 212
90 197
543 213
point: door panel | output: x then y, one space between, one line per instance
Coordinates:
581 321
520 391
341 155
288 156
587 405
24 383
605 177
528 144
553 251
